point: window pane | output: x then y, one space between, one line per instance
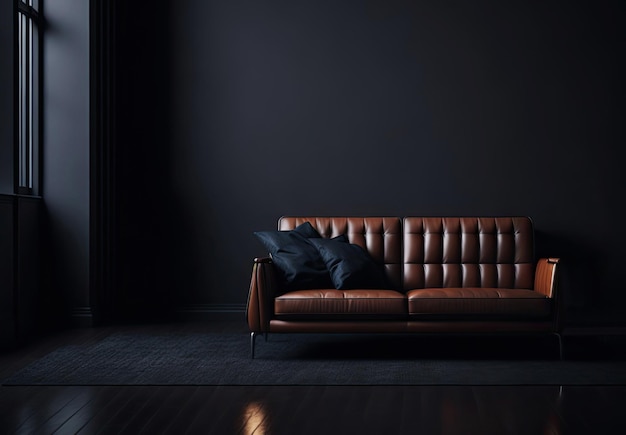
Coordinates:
24 87
35 106
28 70
29 145
33 3
27 88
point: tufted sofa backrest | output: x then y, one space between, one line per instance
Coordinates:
434 252
380 236
468 252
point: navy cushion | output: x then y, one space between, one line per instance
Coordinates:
350 266
298 262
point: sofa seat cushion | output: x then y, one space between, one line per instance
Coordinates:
477 302
341 304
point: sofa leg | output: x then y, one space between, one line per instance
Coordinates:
252 341
558 336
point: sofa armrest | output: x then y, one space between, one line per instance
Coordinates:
260 304
546 277
546 282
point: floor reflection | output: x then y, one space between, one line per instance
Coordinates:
255 419
405 409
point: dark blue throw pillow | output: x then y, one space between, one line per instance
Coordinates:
350 266
298 262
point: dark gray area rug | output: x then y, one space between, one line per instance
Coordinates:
291 359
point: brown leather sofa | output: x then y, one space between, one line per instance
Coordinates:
448 275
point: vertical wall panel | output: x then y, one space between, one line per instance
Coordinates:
29 303
7 268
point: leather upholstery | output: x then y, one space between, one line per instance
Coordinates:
453 274
341 304
380 236
338 326
545 276
261 294
478 326
468 252
422 326
471 302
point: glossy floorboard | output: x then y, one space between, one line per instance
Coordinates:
297 409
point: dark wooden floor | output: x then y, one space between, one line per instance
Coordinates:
298 409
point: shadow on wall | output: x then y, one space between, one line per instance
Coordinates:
61 260
196 259
145 217
582 283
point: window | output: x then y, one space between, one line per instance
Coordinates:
29 60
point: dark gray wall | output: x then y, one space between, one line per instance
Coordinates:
7 271
250 110
66 154
7 246
6 97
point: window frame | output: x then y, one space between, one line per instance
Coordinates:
29 26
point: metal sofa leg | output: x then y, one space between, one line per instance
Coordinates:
558 336
252 342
